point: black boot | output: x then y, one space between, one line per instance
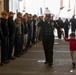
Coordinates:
73 64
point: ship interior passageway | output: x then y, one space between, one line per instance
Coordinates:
32 62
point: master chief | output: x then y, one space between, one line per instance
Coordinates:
47 35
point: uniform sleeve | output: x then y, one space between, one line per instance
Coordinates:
58 27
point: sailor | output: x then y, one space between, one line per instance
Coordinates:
47 35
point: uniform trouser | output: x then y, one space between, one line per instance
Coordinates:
39 34
34 36
17 49
4 48
48 49
25 41
59 34
29 39
11 45
22 41
73 28
66 32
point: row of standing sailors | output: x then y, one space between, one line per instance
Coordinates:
16 35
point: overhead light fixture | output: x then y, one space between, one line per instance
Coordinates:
20 0
61 4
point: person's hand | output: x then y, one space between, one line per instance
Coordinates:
63 34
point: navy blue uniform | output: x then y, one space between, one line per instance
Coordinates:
73 24
66 27
47 31
34 32
29 33
4 40
60 24
11 27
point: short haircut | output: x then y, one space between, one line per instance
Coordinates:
72 34
4 13
17 20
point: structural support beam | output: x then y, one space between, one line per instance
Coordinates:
61 4
6 5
